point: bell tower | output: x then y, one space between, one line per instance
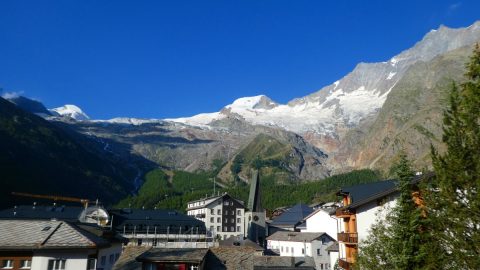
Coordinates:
255 215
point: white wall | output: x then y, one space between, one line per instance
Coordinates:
333 259
75 260
321 221
116 248
367 215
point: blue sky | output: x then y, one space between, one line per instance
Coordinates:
158 59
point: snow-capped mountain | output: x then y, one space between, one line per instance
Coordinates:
347 101
71 111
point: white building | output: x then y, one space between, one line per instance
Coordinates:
321 220
51 245
302 244
223 215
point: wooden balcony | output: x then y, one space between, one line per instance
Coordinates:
348 238
344 264
343 212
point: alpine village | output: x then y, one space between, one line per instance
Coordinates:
379 170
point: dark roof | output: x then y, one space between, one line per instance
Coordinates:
66 213
46 234
159 218
208 200
364 193
192 255
292 216
361 192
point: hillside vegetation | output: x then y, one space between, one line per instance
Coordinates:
173 192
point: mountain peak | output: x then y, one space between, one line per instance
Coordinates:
71 111
255 102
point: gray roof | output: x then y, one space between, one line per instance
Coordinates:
281 262
238 241
194 255
127 258
333 247
292 216
45 234
295 236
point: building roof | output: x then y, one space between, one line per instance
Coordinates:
333 247
329 211
127 260
238 241
283 262
208 200
160 218
66 213
295 236
365 193
292 216
191 255
43 234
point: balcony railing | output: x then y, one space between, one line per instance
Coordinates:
348 238
344 212
344 264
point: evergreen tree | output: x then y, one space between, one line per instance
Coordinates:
455 200
399 240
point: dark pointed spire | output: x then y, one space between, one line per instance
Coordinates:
254 200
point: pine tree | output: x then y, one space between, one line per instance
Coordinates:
455 199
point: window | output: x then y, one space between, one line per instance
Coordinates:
239 212
103 260
212 211
321 266
212 219
7 264
92 264
218 229
111 259
231 203
281 248
239 220
239 229
219 211
318 252
226 220
139 242
26 264
211 228
154 242
291 249
232 229
225 203
303 251
56 264
225 229
232 220
219 220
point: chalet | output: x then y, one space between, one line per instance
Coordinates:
361 203
362 206
51 244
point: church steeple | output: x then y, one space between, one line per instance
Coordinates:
254 199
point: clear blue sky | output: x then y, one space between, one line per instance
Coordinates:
178 58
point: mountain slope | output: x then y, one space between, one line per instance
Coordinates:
37 156
410 119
